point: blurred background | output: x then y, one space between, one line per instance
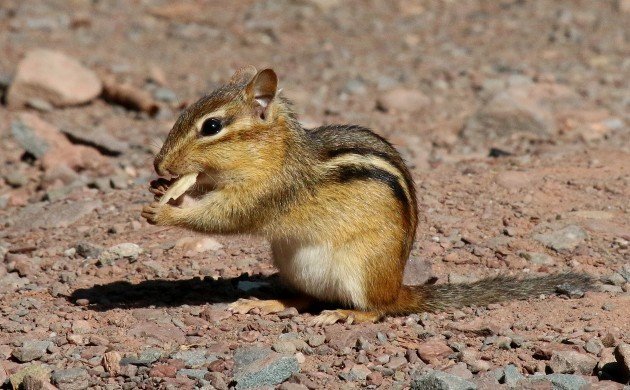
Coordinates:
513 115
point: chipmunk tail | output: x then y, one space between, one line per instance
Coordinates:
414 299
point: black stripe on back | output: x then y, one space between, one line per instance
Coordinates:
362 152
347 173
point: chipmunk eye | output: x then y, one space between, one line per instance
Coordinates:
211 126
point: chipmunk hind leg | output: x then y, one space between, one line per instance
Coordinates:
373 273
269 306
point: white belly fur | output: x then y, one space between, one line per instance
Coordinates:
317 270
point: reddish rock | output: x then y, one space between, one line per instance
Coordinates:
339 340
217 366
111 362
59 175
215 313
46 142
180 382
292 386
81 327
198 244
375 378
166 333
477 326
514 179
23 265
461 370
418 271
52 77
163 371
402 99
433 349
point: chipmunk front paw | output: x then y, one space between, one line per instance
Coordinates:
157 214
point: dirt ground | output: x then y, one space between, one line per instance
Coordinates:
513 116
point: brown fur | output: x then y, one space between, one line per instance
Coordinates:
337 202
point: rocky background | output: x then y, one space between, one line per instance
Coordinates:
514 116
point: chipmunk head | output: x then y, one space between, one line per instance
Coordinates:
234 128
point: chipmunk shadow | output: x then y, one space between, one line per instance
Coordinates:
170 293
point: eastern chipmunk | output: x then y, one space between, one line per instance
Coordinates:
337 203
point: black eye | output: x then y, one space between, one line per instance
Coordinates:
211 126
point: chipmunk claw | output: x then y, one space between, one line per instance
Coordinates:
159 186
329 317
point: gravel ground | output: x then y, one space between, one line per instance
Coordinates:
514 116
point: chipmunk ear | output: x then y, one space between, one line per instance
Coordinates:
243 75
261 90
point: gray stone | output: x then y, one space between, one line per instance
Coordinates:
39 104
355 87
622 354
566 381
39 215
192 373
610 289
4 249
119 182
511 375
594 346
284 347
97 138
538 258
31 350
570 290
60 193
145 358
358 372
436 380
567 238
315 340
16 179
88 250
616 278
418 271
28 139
535 382
20 379
519 109
260 366
486 380
165 95
460 369
571 362
12 282
71 379
126 250
194 358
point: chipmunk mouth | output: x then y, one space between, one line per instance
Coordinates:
186 190
181 185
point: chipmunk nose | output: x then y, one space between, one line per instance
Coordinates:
158 169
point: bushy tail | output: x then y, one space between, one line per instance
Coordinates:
487 291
